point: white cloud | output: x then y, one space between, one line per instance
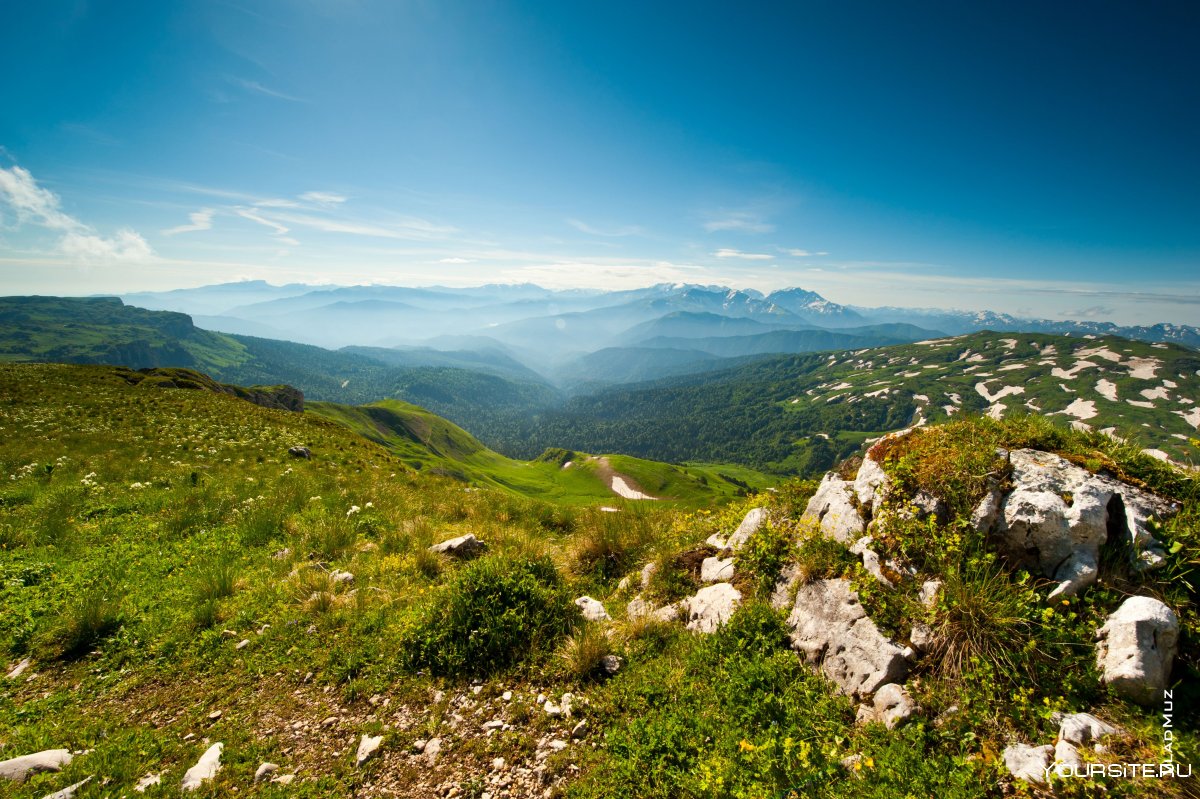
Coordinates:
277 203
455 261
38 206
323 197
126 246
584 227
726 252
32 203
798 253
741 221
200 220
246 213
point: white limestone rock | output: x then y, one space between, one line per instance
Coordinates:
18 769
711 607
592 609
755 519
832 510
1136 648
834 634
463 547
716 570
1028 763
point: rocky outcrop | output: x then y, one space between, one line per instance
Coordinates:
1058 515
870 486
463 547
1136 648
300 452
1083 728
711 607
832 509
833 633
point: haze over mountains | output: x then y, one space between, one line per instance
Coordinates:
574 337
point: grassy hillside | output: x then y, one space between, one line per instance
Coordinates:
175 579
427 442
103 330
802 414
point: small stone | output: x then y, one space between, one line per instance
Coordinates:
300 452
494 724
18 669
1136 648
242 644
552 709
418 745
1083 728
147 781
205 769
339 577
463 547
558 745
329 721
215 715
568 699
506 696
611 664
592 609
283 779
367 747
433 749
579 729
265 772
498 763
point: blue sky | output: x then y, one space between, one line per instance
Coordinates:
1031 158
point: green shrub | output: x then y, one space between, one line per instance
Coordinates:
764 555
496 612
582 652
92 615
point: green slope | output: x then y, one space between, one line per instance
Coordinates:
800 414
432 444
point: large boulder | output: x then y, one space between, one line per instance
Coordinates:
833 510
463 547
711 607
1058 515
833 633
1136 647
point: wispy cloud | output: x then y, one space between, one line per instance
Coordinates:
246 213
726 252
258 88
584 227
741 221
200 220
454 261
798 253
323 197
404 227
32 204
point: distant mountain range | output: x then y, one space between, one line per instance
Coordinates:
672 372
